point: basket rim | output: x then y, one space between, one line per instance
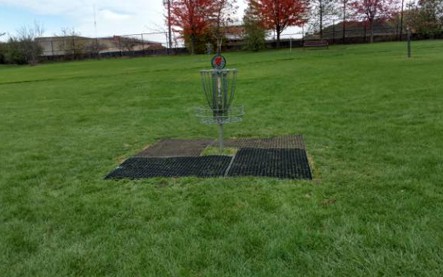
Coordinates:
219 70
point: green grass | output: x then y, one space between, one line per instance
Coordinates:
215 150
372 121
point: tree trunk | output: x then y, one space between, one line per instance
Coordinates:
344 20
371 27
278 31
401 20
321 19
192 44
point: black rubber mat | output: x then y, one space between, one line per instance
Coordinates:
278 163
141 167
280 157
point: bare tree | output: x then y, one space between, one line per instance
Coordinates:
426 18
221 19
344 16
321 12
28 46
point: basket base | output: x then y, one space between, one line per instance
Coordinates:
209 116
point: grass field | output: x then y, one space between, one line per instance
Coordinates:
371 118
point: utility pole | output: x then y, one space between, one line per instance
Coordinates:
167 3
97 53
401 20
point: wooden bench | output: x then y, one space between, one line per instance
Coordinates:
316 43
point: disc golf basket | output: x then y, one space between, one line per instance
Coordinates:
219 89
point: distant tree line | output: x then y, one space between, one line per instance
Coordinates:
425 18
199 22
22 49
202 24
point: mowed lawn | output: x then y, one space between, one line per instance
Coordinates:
371 118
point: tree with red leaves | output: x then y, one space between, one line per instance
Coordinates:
277 15
372 10
190 19
198 20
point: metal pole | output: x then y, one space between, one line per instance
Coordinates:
409 41
95 33
302 34
290 44
169 24
73 45
120 46
401 20
333 31
169 36
143 43
220 137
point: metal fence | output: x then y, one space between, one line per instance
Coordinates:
77 47
336 33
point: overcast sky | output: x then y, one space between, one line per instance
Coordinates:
113 17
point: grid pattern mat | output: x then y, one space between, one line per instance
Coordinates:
279 157
141 167
280 163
